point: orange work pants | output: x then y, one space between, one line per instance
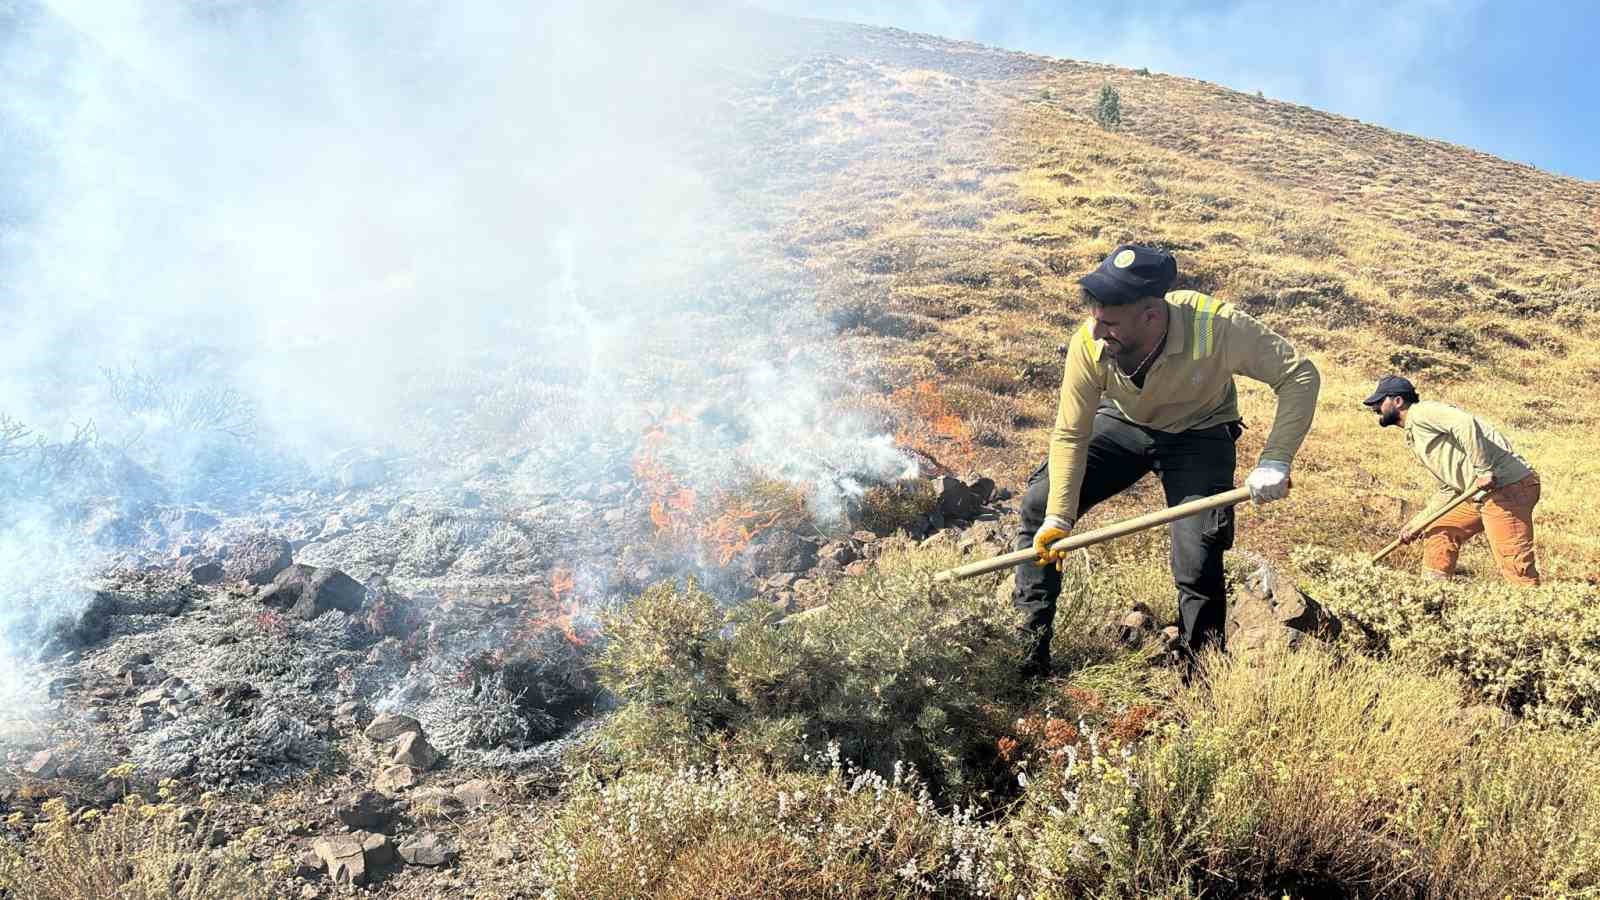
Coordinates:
1506 516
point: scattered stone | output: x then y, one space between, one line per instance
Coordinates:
233 697
388 726
344 857
412 749
956 500
59 685
206 573
151 698
177 521
50 763
85 629
839 551
366 811
332 527
1135 625
427 849
362 473
396 778
378 848
138 659
477 793
1264 611
308 865
778 551
435 805
258 559
310 591
1302 613
501 852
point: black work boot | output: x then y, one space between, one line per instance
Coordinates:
1036 659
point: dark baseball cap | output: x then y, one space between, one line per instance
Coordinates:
1131 271
1390 386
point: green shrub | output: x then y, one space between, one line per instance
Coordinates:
897 670
135 850
1108 108
1293 771
1536 650
725 832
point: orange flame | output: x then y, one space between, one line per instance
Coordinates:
723 524
932 426
560 610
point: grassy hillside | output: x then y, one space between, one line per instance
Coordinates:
946 197
938 201
943 198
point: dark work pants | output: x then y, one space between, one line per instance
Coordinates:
1191 464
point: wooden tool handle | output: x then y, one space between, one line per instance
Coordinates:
1463 497
1099 535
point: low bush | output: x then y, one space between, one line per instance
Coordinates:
1534 650
725 832
135 850
897 670
1306 772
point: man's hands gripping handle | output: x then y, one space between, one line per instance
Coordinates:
1054 529
1268 481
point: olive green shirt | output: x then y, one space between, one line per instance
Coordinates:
1190 385
1456 447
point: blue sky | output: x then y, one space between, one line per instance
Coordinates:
1518 80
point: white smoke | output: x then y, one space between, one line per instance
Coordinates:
363 224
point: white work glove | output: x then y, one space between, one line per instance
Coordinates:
1268 481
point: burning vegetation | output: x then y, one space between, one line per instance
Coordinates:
503 598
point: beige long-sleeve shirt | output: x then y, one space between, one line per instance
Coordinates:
1456 447
1190 385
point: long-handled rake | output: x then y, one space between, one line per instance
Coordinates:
1099 535
1463 497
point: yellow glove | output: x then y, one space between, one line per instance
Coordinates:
1053 529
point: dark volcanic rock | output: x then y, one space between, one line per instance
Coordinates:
367 811
206 573
258 559
426 849
85 629
780 551
956 500
388 726
309 591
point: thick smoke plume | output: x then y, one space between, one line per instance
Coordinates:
240 241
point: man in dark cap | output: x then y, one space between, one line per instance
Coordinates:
1461 450
1148 387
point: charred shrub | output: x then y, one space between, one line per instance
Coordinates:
887 508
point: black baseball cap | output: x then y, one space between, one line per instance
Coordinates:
1131 271
1390 386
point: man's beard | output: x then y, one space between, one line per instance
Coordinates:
1392 417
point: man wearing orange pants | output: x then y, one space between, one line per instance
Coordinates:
1462 450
